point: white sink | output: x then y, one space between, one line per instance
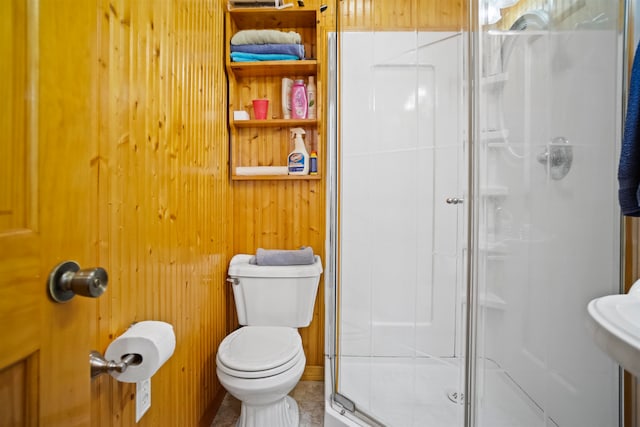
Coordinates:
615 327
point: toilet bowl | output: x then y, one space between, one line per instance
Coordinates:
260 363
259 366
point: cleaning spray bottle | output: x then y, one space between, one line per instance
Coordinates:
298 160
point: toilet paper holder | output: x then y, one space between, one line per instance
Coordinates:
100 365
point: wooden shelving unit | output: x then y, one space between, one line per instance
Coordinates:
268 142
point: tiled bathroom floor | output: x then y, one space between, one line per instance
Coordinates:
308 394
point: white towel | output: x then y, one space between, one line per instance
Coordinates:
265 36
262 170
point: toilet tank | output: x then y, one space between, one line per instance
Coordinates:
274 295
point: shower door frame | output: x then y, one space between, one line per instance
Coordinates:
339 402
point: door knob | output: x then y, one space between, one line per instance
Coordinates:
66 280
453 200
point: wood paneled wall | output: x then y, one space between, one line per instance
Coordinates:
285 215
164 198
402 15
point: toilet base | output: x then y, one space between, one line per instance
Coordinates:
283 413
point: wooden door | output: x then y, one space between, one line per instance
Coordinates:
47 210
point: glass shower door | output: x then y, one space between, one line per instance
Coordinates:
549 239
400 275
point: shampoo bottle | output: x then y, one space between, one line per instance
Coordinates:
298 160
299 103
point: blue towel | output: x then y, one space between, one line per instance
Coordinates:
251 57
286 49
629 166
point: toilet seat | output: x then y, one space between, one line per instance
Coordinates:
259 351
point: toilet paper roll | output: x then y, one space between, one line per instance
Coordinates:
154 341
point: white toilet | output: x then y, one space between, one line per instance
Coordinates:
260 363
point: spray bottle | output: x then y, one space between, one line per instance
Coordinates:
298 160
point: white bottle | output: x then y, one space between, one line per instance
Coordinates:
285 96
311 98
298 160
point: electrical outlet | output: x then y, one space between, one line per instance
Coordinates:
143 397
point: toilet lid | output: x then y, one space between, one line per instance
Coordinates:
259 348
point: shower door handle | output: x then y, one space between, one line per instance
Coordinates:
454 200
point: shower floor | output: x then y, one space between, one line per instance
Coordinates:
422 392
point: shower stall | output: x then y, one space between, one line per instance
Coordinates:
473 214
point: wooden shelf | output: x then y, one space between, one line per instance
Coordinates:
289 123
305 67
272 18
275 177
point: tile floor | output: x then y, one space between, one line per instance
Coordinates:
308 394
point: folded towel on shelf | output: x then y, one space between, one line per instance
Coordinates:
252 57
273 48
265 36
629 165
302 256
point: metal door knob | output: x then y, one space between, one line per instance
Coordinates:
454 200
66 280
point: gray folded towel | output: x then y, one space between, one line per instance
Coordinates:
302 256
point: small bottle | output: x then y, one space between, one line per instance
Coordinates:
311 98
313 163
299 103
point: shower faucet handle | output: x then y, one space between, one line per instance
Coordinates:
557 157
454 200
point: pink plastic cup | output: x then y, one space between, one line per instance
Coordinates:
260 107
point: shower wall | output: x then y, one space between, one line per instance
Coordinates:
550 246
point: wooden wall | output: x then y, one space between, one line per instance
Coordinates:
164 198
402 15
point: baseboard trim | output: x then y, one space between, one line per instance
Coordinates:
313 373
